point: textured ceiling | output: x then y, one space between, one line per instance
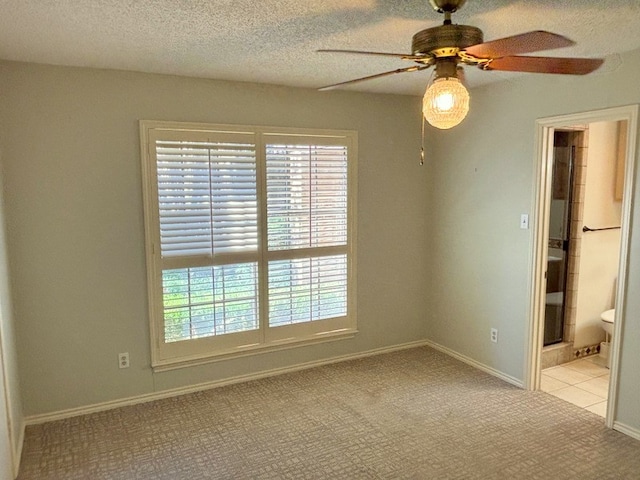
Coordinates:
275 41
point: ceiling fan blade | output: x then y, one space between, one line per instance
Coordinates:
404 56
567 66
415 68
535 41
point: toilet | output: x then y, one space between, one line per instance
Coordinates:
607 321
607 318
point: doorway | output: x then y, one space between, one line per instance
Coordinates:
545 190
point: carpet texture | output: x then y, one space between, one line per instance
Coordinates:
413 414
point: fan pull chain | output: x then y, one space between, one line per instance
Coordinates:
422 138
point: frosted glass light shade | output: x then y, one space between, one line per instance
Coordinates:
445 103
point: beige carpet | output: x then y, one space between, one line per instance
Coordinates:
414 414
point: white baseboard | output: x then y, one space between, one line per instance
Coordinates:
627 430
476 364
99 407
149 397
17 449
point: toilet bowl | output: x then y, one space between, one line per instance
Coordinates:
607 320
607 324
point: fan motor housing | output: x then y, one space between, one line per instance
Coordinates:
445 40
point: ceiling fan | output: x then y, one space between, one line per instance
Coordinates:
446 100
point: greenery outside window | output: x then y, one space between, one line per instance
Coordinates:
249 236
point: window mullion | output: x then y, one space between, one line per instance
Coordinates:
311 197
310 227
213 276
307 252
263 264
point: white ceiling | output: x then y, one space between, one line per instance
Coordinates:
275 41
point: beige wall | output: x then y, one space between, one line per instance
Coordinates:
599 251
440 248
11 421
74 211
483 179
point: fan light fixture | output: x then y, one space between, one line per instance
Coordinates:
445 103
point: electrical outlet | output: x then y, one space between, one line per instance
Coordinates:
494 335
123 360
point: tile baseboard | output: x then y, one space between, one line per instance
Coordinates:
586 351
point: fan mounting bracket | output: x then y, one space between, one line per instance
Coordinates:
447 6
472 60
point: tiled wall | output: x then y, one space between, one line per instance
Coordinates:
579 139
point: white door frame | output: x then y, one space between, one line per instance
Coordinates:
545 128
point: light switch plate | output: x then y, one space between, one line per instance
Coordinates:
524 221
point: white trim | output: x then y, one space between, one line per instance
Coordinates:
475 364
15 444
254 350
625 247
237 128
627 430
544 131
149 397
538 255
194 351
17 449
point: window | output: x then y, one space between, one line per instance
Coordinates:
250 238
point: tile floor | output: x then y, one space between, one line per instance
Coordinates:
583 382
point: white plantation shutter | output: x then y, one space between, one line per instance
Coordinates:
306 196
208 301
207 197
249 238
307 289
207 210
307 209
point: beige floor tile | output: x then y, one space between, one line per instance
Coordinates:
578 397
598 409
587 367
549 384
583 382
567 375
598 360
598 386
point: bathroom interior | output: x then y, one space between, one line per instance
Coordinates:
583 261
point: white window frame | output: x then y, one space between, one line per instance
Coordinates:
166 356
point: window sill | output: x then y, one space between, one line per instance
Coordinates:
174 364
